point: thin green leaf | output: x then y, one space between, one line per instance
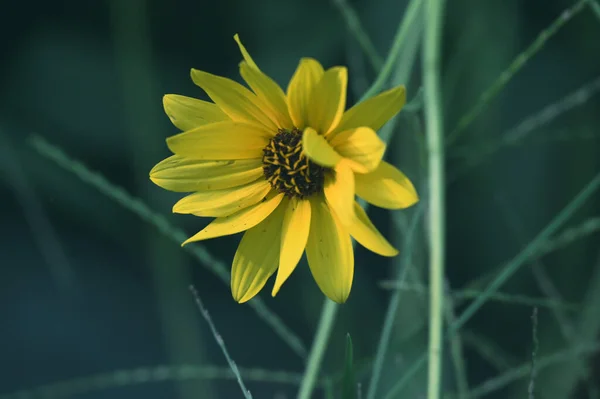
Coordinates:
349 380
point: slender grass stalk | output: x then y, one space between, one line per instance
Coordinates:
220 342
42 230
363 39
515 67
160 373
514 299
390 316
580 370
477 154
524 370
508 270
318 349
595 7
534 353
404 29
456 348
329 309
488 350
572 234
529 252
176 235
565 238
435 151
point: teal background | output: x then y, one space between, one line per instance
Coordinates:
87 287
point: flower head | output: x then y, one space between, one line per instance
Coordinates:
285 169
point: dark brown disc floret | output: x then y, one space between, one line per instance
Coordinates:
288 169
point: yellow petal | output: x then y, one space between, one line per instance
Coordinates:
221 141
375 111
361 146
306 77
239 221
318 150
244 52
257 257
269 93
187 113
294 235
181 174
223 202
339 192
386 187
367 234
329 252
328 100
239 103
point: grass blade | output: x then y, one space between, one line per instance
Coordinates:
318 349
524 370
220 342
152 374
405 28
176 235
329 309
356 28
349 379
514 299
515 67
507 271
388 324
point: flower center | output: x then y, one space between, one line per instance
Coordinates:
287 168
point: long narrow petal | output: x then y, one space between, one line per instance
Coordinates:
244 52
257 257
215 203
239 221
386 187
361 146
328 100
269 93
181 174
329 252
375 111
265 88
294 235
306 77
187 113
363 231
318 150
239 103
221 141
339 192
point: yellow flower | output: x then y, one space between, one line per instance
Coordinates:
284 168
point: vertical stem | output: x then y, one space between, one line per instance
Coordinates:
318 349
435 147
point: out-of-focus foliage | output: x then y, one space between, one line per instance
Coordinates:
88 288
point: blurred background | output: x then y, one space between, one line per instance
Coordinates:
94 300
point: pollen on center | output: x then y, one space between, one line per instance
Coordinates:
288 169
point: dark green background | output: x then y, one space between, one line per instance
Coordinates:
87 287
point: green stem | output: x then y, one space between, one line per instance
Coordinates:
529 252
515 67
595 7
456 350
363 39
317 350
392 311
435 147
404 29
